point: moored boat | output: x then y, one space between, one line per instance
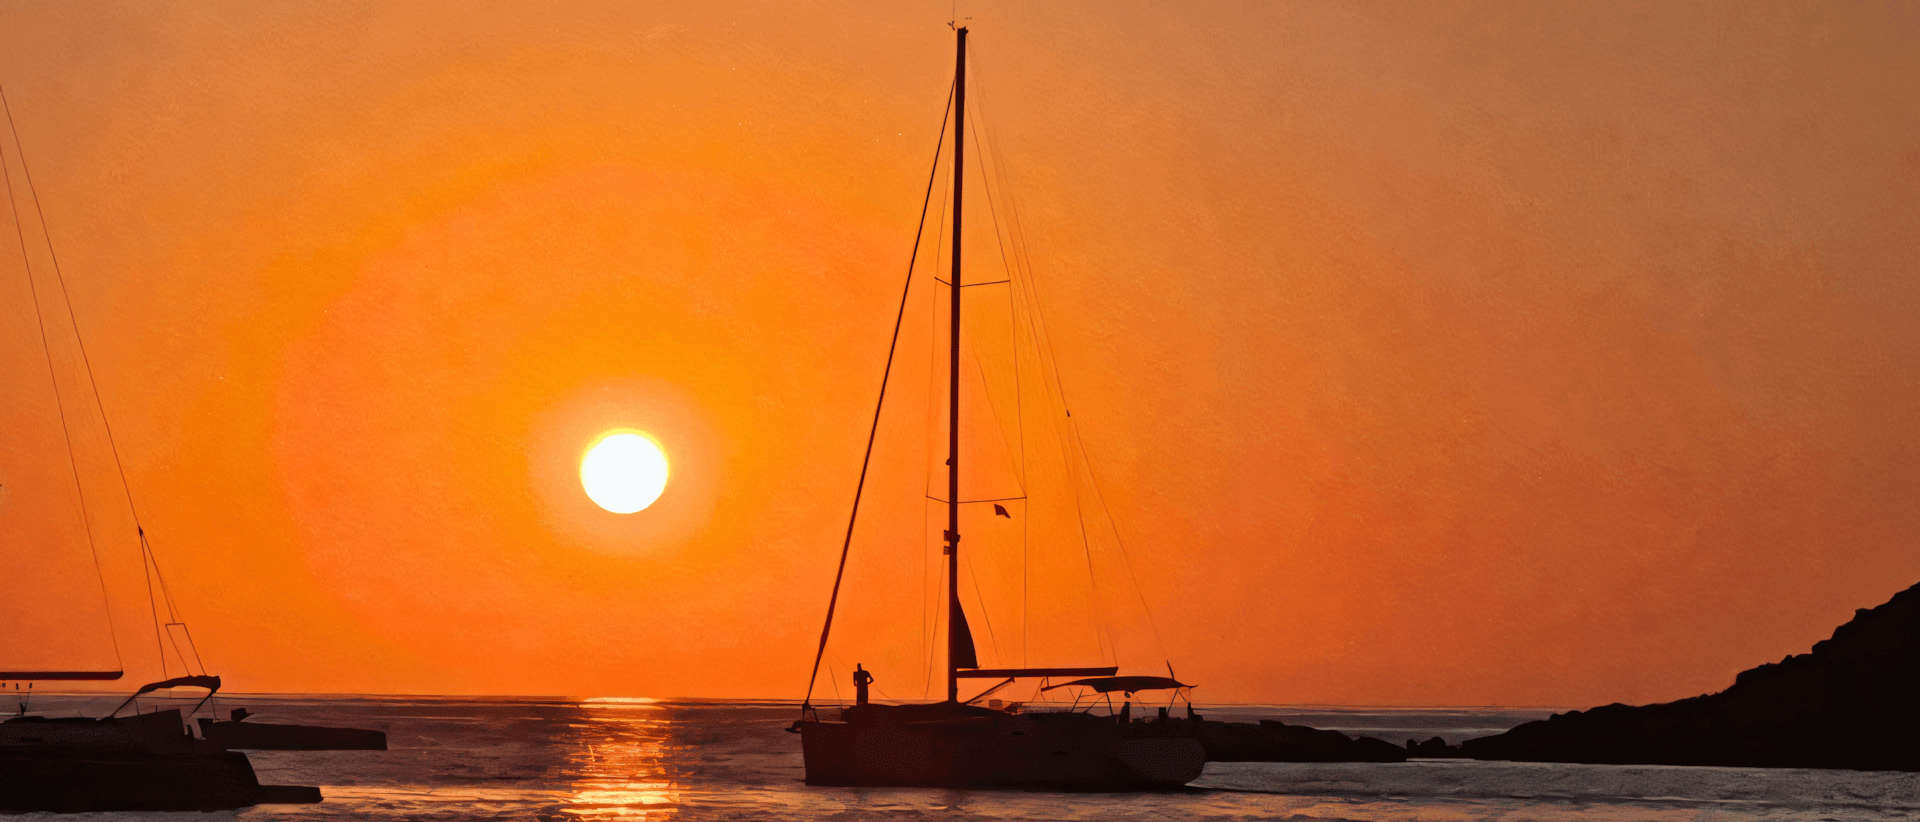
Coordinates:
960 744
142 761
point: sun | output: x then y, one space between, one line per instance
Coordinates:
624 471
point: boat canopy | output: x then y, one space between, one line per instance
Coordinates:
1124 684
211 683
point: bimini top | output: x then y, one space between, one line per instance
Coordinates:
1123 684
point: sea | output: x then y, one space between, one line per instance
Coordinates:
537 758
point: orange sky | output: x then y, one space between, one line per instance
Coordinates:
1471 353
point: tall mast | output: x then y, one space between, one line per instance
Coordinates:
954 615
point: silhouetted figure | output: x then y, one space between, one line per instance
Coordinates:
861 679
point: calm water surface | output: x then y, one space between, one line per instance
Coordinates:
543 759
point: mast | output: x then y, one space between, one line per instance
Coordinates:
954 616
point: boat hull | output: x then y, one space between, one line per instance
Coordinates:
142 762
75 780
1033 751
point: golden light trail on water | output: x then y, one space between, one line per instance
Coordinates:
624 471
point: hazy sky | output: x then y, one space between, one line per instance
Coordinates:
1436 353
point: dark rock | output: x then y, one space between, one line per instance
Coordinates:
1378 750
1844 705
1273 741
1435 748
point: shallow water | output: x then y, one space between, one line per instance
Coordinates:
543 759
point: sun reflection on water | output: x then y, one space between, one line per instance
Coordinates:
618 766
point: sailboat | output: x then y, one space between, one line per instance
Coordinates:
137 761
956 743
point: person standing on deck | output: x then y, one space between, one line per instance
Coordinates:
861 679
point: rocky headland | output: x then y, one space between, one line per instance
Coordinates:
1853 702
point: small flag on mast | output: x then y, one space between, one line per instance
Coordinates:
1001 510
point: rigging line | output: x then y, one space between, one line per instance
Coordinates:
998 428
1050 358
1015 229
926 635
992 209
1069 442
59 405
928 602
1050 379
1114 527
1050 368
1026 265
1043 341
987 184
1022 253
1056 417
1093 584
146 570
176 647
194 648
970 285
78 339
933 320
1025 562
990 150
166 594
839 574
1071 428
986 175
1065 425
61 278
972 501
1026 286
929 617
993 166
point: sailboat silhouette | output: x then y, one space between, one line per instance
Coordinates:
961 744
140 761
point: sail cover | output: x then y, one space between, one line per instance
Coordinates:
963 654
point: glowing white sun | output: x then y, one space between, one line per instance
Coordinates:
624 471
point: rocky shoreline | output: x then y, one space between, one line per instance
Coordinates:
1852 702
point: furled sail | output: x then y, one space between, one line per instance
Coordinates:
963 653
